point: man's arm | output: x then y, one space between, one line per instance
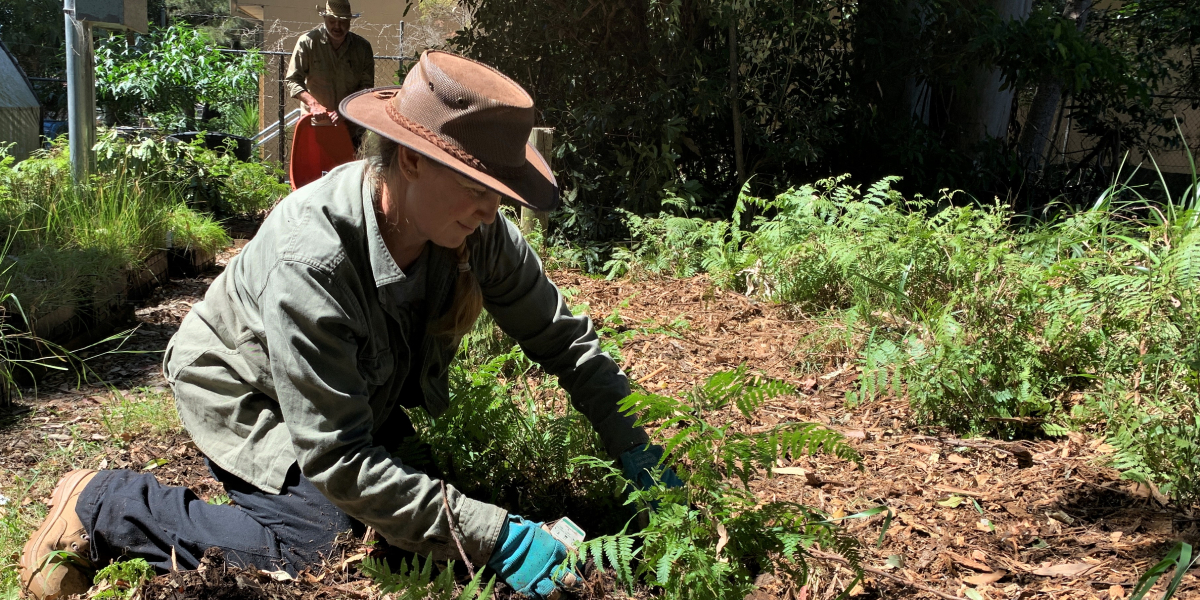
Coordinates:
297 79
297 72
367 80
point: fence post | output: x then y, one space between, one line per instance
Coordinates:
282 126
542 139
81 92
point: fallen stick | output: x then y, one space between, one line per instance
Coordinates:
1023 455
653 373
454 531
881 573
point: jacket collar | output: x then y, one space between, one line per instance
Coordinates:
383 266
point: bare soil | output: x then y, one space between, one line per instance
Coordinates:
1040 518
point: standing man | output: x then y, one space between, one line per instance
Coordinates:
330 63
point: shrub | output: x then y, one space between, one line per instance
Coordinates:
167 72
204 178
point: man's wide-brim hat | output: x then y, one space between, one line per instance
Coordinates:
466 116
337 8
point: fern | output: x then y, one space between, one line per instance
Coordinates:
986 327
503 442
680 550
415 581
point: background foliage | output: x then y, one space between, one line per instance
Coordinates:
165 74
66 244
658 98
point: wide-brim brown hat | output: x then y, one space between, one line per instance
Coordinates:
337 8
466 116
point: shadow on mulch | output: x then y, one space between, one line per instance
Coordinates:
1116 508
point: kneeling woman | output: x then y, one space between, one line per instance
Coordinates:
348 305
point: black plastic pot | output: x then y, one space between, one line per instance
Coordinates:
216 141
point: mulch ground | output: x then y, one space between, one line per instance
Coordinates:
1038 518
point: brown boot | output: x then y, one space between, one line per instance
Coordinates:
56 562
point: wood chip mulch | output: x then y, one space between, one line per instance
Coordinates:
1036 518
1041 518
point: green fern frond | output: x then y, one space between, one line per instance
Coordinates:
812 438
414 581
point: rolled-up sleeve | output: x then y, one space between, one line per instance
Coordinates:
297 72
313 324
528 306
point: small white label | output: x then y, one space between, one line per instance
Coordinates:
566 531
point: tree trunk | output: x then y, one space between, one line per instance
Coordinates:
982 110
738 160
1036 132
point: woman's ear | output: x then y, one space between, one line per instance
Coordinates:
410 163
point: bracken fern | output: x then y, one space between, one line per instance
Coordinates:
709 538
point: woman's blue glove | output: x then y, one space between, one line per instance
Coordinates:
529 559
636 464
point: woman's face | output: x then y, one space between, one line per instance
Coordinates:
439 204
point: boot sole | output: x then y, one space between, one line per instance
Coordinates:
58 505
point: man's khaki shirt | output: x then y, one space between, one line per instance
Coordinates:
302 347
330 75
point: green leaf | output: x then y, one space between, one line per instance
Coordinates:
952 502
155 463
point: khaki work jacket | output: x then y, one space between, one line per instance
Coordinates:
300 348
330 75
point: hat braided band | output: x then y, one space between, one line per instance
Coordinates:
451 149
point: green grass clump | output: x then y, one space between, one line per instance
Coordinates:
145 411
196 230
68 245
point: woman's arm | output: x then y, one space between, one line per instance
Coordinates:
312 323
529 307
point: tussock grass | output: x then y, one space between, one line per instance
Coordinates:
66 241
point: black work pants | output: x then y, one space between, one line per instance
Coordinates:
129 514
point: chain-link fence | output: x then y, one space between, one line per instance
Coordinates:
1109 152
